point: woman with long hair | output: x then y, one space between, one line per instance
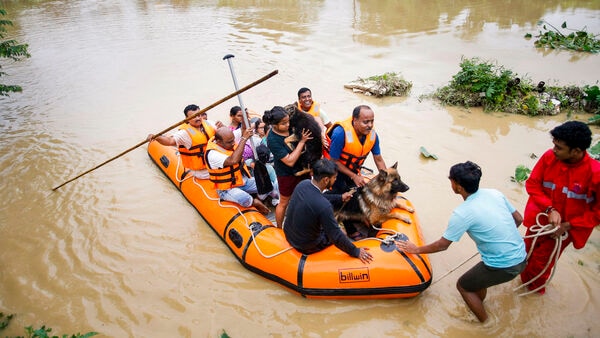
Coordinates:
284 158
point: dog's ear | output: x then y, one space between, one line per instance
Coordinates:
395 166
382 175
290 108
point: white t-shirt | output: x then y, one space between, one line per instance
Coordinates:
182 138
216 158
324 117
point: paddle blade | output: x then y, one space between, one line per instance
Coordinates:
263 181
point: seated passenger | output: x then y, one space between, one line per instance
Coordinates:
228 171
248 154
308 105
263 155
310 225
191 139
237 117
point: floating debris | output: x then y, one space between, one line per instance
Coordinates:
388 84
521 174
427 154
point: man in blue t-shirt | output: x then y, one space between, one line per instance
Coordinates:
489 219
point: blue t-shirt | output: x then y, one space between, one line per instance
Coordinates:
338 140
486 216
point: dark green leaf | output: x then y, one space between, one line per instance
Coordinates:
521 173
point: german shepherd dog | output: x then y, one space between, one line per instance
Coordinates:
313 149
377 199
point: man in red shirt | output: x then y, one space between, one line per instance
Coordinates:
565 185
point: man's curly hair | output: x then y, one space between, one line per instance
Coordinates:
575 134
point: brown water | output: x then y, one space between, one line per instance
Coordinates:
120 251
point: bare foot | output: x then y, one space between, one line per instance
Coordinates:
260 207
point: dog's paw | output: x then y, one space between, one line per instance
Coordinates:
402 205
302 172
291 139
402 217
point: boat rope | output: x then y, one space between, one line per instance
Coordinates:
455 268
177 170
393 232
539 230
391 236
218 200
249 225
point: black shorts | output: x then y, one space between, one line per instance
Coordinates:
482 276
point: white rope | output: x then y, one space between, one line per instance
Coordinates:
248 224
396 237
539 230
204 191
455 268
177 169
392 234
260 251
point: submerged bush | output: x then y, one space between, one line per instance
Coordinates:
577 40
486 84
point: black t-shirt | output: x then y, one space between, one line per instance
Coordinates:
279 149
310 225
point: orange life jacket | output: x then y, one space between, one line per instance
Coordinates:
193 158
315 109
228 177
354 153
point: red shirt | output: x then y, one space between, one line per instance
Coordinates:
572 189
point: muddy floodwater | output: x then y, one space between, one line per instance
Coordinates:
121 252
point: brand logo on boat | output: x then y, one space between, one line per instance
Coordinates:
354 275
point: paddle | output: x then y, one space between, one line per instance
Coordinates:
261 174
237 92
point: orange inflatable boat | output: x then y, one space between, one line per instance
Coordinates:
262 248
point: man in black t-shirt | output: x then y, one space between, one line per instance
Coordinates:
310 225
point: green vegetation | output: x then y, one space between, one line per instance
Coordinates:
42 332
10 49
486 84
594 151
388 84
521 174
577 40
4 320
